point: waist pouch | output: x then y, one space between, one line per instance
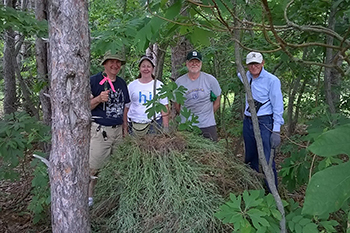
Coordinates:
140 129
257 105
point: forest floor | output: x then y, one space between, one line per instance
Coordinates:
15 197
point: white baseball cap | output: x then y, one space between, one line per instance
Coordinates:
254 57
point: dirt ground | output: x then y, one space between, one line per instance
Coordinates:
14 200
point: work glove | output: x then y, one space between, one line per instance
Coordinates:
275 139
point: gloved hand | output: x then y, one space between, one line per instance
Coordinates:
275 139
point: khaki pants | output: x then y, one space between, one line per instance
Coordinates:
100 147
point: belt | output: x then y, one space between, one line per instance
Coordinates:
105 126
249 117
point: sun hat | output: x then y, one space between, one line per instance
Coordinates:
254 57
194 55
148 58
108 56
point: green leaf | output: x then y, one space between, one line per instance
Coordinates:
174 10
201 36
332 142
310 228
252 198
328 190
329 225
257 218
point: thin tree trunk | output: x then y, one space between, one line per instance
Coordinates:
266 166
329 77
178 56
9 59
159 60
291 109
69 168
41 50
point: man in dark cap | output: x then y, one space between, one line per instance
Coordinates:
202 95
109 94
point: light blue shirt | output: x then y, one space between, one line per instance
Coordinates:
267 87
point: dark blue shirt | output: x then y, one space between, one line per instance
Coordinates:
112 113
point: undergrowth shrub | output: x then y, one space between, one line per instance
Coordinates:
167 184
40 203
20 135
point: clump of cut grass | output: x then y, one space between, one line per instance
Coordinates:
167 184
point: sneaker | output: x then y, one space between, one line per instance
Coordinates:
91 201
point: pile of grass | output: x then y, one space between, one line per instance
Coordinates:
167 184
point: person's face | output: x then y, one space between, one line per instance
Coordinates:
255 68
146 68
112 66
194 66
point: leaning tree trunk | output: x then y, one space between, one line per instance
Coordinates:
266 165
9 60
69 168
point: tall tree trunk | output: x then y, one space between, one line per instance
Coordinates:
41 50
178 56
291 108
157 51
9 59
331 76
70 94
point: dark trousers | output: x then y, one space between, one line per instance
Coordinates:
210 132
251 151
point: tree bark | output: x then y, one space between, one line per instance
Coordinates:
331 76
178 56
157 51
41 50
9 59
70 94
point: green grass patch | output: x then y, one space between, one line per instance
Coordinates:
167 184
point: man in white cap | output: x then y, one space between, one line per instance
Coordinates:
268 100
109 94
202 95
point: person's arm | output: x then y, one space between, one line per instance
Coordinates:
165 117
125 121
276 99
177 107
216 103
94 101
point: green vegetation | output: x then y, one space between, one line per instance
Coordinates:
172 184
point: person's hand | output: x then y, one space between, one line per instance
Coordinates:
166 130
104 96
275 139
125 130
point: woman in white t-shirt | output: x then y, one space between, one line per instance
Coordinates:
141 90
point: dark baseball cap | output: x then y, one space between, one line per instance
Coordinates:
194 55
